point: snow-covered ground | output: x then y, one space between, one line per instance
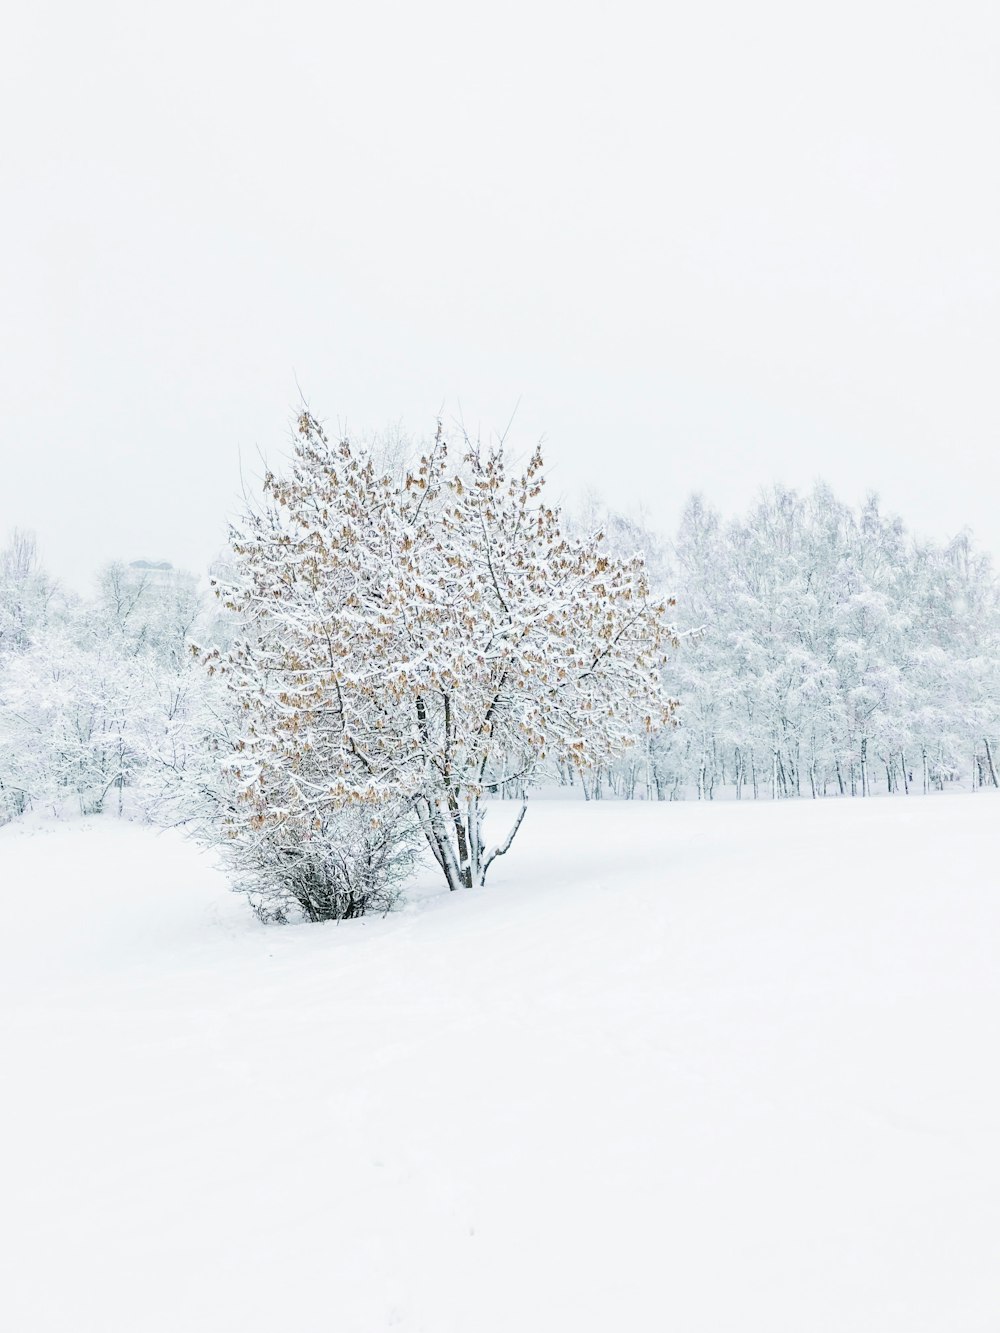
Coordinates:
728 1067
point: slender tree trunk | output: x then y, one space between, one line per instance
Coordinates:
462 833
435 831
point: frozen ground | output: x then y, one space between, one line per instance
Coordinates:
697 1068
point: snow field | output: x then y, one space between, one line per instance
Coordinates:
693 1067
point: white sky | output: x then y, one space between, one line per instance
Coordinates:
707 246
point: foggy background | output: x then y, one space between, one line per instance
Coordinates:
698 247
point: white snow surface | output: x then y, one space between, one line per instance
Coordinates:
686 1067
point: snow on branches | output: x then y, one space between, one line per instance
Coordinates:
416 636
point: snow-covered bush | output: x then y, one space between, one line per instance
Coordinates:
296 865
323 869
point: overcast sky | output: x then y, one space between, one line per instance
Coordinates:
704 246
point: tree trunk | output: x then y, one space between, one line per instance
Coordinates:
989 763
465 861
435 830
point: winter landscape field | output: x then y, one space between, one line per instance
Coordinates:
696 1066
500 667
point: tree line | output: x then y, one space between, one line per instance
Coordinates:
829 653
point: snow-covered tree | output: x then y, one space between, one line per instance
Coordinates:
26 592
97 698
837 655
419 637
